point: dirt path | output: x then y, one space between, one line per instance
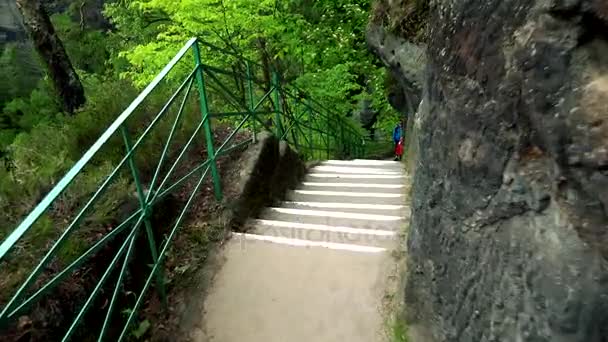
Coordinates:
317 267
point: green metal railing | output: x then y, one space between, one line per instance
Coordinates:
315 131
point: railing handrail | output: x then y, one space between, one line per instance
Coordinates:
320 119
35 214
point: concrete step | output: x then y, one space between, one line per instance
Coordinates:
356 170
345 197
364 163
395 167
248 240
315 268
335 218
361 208
328 177
270 292
275 292
353 187
324 233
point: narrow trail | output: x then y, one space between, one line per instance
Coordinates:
315 268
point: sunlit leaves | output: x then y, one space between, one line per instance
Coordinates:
318 43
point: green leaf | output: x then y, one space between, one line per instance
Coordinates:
141 329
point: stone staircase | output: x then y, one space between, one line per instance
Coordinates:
315 267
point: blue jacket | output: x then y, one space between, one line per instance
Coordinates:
397 134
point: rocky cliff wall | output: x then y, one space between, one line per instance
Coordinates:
509 232
405 61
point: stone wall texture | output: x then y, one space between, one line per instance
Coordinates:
509 232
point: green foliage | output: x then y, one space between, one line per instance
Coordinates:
36 159
7 135
27 101
38 156
379 149
141 330
320 44
332 86
388 116
25 113
87 48
19 64
398 331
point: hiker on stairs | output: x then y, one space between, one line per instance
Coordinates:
398 140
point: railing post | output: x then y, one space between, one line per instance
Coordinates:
351 144
200 80
310 131
328 141
251 99
147 212
296 118
363 149
342 142
277 104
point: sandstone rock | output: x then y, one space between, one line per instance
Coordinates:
509 232
405 61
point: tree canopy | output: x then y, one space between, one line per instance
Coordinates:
318 44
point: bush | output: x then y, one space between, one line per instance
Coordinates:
23 114
38 158
41 154
19 64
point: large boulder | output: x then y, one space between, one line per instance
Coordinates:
509 232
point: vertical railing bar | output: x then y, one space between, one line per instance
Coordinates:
200 80
59 242
238 127
145 207
328 125
251 99
277 105
169 138
162 193
58 277
100 283
177 160
117 287
310 123
295 119
225 91
164 248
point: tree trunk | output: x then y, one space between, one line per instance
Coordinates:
39 27
265 63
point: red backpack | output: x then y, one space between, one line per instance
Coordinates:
399 148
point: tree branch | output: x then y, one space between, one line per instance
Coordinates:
81 16
153 21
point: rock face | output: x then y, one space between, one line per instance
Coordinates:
406 63
11 26
509 233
